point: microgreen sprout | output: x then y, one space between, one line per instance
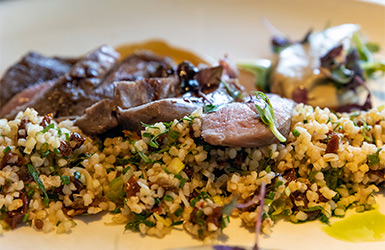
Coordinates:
267 115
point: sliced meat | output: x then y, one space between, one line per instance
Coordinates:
98 118
140 65
139 101
165 110
132 94
32 69
239 125
102 116
25 96
75 91
143 64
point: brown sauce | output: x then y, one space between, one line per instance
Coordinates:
164 49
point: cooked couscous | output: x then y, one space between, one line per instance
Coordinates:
51 172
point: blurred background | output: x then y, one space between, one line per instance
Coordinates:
213 27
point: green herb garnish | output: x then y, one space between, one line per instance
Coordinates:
176 223
374 159
25 218
233 93
315 208
210 108
32 171
125 170
145 158
52 125
267 115
365 128
65 179
168 198
296 133
116 211
178 212
139 219
6 149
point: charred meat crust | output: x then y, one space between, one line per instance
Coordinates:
32 69
74 91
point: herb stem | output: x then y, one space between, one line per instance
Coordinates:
267 115
276 132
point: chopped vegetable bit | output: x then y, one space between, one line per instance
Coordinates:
175 166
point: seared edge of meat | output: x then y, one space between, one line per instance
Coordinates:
25 96
32 69
132 94
164 110
73 92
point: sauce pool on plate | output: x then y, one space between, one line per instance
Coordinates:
361 227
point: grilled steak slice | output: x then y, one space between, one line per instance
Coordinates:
102 116
25 96
132 94
32 69
140 65
148 101
165 110
239 125
143 64
73 92
98 118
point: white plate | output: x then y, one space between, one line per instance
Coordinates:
214 27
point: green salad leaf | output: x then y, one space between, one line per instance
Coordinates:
261 69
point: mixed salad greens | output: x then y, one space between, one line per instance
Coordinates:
337 59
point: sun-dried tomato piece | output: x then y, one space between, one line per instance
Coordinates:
333 144
65 148
78 139
131 187
46 120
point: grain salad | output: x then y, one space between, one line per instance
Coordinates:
169 177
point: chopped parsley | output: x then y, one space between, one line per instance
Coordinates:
7 149
139 219
374 159
65 179
296 133
168 198
35 175
52 125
